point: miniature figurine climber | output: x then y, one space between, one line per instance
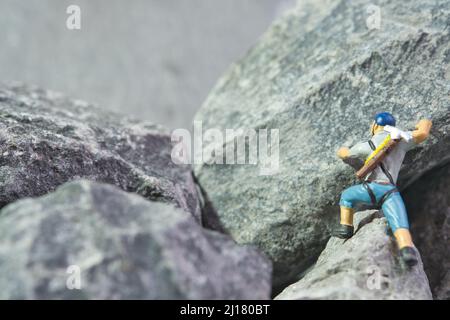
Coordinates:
383 160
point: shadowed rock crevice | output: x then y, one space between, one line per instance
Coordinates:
428 203
210 218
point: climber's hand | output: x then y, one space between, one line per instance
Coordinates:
422 131
343 153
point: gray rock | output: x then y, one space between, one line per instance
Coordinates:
428 202
443 291
364 267
125 248
319 75
47 140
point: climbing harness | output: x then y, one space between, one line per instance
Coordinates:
366 185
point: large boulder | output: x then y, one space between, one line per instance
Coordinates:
94 241
428 202
364 267
319 75
47 140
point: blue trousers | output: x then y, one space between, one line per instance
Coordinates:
393 207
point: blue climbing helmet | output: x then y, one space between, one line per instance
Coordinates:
385 119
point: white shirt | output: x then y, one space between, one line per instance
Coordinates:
392 163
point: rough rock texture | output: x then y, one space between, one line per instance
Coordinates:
46 140
428 202
364 267
319 75
126 248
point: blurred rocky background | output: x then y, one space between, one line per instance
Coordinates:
153 59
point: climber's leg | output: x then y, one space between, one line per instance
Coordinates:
345 229
350 197
395 212
403 237
347 216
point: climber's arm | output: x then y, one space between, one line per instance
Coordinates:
358 151
422 131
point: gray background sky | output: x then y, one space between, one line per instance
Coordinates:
153 59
